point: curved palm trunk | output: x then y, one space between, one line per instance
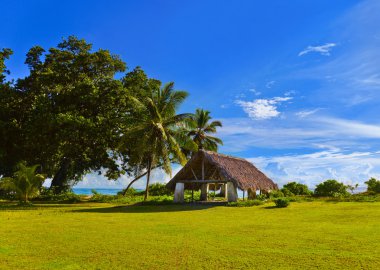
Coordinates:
137 178
147 180
134 180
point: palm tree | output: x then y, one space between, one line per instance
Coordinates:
25 182
200 128
154 135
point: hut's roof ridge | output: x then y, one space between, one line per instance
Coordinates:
225 156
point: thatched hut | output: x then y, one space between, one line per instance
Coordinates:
207 168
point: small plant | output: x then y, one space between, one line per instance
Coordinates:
281 202
25 182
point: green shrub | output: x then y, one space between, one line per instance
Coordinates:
247 203
373 185
261 197
47 194
158 189
25 183
296 189
276 194
331 188
287 192
130 192
281 202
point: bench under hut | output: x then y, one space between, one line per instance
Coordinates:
208 169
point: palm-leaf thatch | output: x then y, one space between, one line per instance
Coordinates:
221 167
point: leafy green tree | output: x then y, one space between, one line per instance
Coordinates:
373 185
153 134
4 55
10 112
200 128
73 112
26 183
296 189
331 188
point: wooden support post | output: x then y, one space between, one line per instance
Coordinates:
232 192
179 193
203 169
251 194
204 191
225 191
243 194
192 192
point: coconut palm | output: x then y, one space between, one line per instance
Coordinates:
200 128
154 135
25 182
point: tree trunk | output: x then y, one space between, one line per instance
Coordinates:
134 180
59 182
137 178
147 180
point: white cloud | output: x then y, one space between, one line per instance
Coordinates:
373 80
290 93
243 134
322 49
306 113
254 91
313 168
261 109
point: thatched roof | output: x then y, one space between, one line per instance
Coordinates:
222 167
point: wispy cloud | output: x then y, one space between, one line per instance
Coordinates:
261 109
270 84
311 169
322 49
255 92
243 134
306 113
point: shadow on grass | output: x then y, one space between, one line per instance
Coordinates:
143 208
271 207
38 205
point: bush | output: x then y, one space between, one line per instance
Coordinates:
158 189
47 194
130 192
261 197
281 202
276 194
373 185
248 203
287 192
331 188
296 189
25 183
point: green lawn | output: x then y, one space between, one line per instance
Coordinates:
307 235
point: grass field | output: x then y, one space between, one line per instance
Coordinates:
307 235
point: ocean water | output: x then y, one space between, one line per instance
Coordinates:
105 191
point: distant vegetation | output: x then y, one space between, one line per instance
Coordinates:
373 185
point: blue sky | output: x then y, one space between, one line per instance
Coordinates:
296 83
